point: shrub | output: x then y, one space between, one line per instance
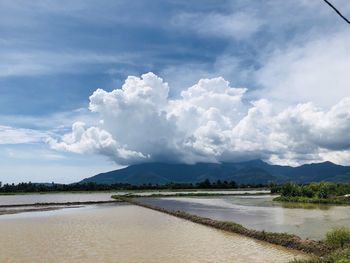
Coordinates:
338 237
307 191
338 256
291 190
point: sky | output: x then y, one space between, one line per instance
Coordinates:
91 86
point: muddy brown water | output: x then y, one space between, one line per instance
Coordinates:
124 233
261 213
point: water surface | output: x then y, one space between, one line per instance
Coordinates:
96 196
261 213
53 198
124 233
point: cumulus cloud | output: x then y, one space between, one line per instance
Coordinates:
210 121
94 140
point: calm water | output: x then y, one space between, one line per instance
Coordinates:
124 233
84 197
53 198
261 213
220 192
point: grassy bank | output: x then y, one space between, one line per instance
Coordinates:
191 194
61 203
192 190
337 256
339 240
313 200
282 239
317 193
59 192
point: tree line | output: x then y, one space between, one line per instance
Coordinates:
322 190
29 187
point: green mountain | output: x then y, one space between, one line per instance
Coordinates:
255 171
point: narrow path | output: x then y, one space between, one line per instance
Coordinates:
281 239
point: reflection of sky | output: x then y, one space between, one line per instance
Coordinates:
53 198
39 214
261 214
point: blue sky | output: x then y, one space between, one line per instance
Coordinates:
55 54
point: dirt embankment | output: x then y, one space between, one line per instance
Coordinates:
36 207
286 240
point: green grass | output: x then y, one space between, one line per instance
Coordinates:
313 200
338 256
338 238
192 194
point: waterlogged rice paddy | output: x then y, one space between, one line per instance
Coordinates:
102 196
261 213
124 233
53 198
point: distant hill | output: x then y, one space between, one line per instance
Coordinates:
255 171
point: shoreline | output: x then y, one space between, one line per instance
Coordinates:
194 194
33 209
282 239
305 200
136 191
41 207
60 204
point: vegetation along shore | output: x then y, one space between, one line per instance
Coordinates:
92 187
321 193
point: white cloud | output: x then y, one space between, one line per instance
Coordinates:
34 62
33 154
239 25
11 135
94 140
316 71
210 121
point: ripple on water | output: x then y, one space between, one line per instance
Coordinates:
124 233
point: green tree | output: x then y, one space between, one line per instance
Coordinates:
290 190
307 191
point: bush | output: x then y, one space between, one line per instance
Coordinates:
327 190
290 190
321 191
307 191
338 237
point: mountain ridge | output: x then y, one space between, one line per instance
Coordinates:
248 172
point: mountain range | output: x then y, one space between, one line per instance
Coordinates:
249 172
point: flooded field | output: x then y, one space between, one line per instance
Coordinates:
124 233
53 198
95 196
261 213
